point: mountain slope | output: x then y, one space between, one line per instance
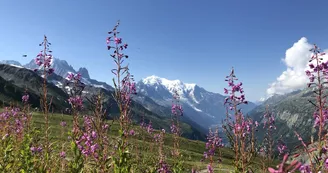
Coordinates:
27 79
292 112
204 107
14 80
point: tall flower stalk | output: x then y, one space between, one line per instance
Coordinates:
124 89
43 60
213 144
318 75
267 150
162 167
238 128
177 111
76 88
316 152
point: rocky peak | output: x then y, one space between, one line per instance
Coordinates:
84 72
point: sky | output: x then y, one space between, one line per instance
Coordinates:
194 41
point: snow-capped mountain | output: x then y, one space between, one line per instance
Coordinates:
62 68
203 107
11 62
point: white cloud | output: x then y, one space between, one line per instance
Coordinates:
293 78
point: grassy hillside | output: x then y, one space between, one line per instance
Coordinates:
192 150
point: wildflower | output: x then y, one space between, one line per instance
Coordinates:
25 98
105 126
63 123
118 40
62 154
132 132
209 168
36 149
76 102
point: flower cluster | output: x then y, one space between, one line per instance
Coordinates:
318 75
162 165
36 150
12 122
87 141
269 121
25 98
282 147
213 143
234 89
76 88
148 127
44 58
176 108
76 102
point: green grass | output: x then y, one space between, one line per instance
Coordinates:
191 150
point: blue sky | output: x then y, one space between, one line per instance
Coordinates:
194 41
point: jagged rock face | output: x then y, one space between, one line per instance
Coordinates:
293 112
84 72
62 68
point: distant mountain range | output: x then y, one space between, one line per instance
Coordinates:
202 109
201 106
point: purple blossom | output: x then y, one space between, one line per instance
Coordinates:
76 102
210 168
63 123
36 150
44 58
118 40
62 154
281 147
25 98
132 133
86 143
213 143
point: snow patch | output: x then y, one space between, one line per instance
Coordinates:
99 86
15 66
198 110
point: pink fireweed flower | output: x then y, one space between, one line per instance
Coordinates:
62 154
148 127
210 168
132 132
281 147
118 40
213 143
25 98
76 102
105 126
63 123
36 150
86 143
44 58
